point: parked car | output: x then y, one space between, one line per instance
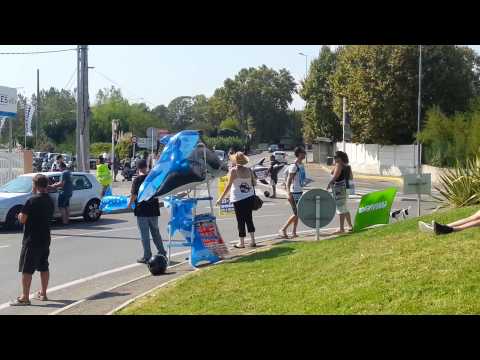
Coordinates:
280 156
221 155
85 200
273 148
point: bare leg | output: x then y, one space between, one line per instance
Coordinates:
342 222
26 282
284 228
475 216
44 277
468 225
349 220
67 210
242 241
64 215
295 224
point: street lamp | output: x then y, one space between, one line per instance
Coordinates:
306 63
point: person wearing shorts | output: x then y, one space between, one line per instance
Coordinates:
340 175
295 191
65 194
36 216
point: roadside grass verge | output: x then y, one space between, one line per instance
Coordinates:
388 270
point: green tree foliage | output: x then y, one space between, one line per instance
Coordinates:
135 118
380 83
259 98
224 143
181 113
230 123
319 118
452 139
97 149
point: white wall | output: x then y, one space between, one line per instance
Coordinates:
374 159
11 166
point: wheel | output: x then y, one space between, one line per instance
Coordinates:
12 222
92 211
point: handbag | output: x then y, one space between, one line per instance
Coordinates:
257 202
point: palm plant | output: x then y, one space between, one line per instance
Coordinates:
460 186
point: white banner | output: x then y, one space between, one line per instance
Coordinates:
29 111
8 101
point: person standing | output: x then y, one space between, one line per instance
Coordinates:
116 166
273 175
241 184
341 174
66 193
295 179
36 215
147 213
56 163
103 175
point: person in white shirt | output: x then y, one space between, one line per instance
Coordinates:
56 164
296 174
241 184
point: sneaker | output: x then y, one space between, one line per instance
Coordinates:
142 261
440 229
425 228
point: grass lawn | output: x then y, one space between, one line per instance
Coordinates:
388 270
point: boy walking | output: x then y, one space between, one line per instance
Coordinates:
36 215
147 213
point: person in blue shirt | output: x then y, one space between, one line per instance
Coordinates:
66 192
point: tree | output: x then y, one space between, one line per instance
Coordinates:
180 111
380 83
319 119
259 98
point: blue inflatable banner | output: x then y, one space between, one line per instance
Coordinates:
181 166
114 203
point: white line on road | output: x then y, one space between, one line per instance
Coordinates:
92 277
4 246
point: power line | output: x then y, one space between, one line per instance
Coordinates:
120 86
71 77
36 52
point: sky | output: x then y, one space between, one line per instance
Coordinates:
154 74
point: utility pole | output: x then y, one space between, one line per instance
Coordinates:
344 119
10 132
38 108
419 151
83 126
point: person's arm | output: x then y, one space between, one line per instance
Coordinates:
254 179
336 174
289 184
232 176
23 215
133 194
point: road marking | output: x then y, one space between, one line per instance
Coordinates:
94 232
4 246
92 277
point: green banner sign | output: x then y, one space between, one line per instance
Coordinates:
374 209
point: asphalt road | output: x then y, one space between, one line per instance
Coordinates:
82 254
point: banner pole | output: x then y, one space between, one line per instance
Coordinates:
317 217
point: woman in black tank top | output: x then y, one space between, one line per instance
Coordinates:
340 176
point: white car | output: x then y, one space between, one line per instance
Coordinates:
85 200
280 156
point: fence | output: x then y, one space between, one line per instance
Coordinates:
374 159
11 165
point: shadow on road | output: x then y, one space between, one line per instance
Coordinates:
98 236
52 303
108 294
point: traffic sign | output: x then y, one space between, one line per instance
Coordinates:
417 184
316 209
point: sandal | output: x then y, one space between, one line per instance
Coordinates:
294 236
253 245
20 302
283 235
39 296
237 246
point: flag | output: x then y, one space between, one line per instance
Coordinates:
2 122
29 111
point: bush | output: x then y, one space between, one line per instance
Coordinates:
450 140
97 149
224 143
123 149
461 186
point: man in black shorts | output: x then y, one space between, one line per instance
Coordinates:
36 215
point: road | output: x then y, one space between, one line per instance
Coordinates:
87 258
